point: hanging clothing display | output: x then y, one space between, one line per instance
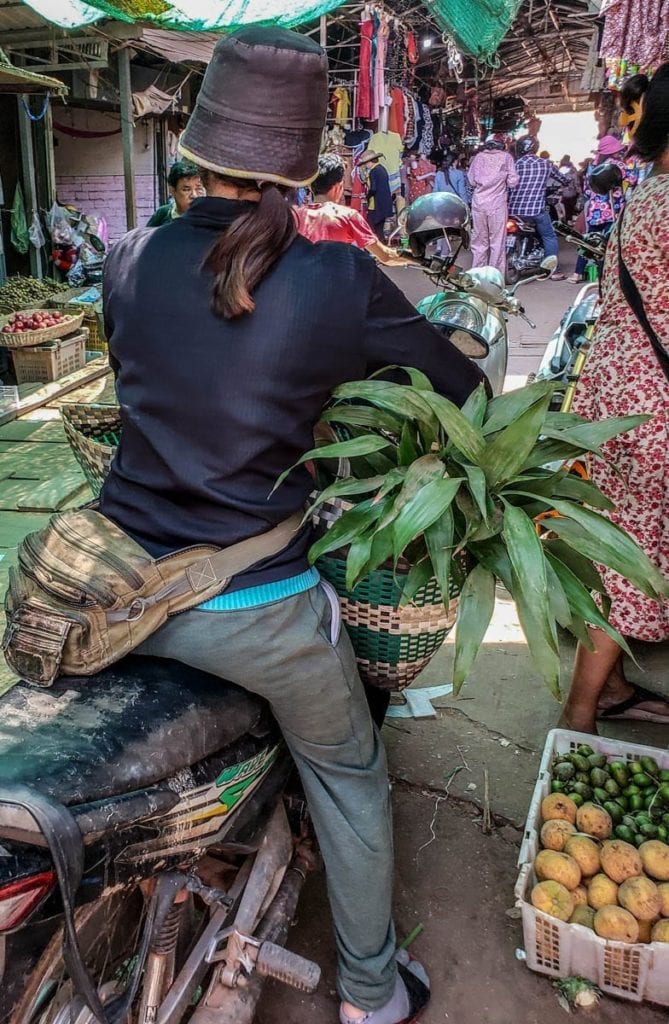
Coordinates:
363 108
336 143
340 105
634 34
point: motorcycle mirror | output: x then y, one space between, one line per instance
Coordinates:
470 344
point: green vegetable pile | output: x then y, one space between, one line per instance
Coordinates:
634 793
26 292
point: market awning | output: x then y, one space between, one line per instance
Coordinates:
18 80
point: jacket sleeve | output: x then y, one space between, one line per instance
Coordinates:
395 333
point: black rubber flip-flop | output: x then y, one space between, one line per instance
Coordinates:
631 704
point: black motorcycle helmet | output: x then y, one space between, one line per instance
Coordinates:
605 178
528 144
436 215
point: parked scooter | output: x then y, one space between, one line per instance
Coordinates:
524 249
559 360
471 307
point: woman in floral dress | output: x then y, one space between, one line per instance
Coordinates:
623 376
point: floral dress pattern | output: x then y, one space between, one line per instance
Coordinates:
623 377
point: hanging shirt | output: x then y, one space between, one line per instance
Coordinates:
330 222
419 184
390 146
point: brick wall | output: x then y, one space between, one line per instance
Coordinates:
104 194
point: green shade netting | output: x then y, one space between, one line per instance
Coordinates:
477 26
191 15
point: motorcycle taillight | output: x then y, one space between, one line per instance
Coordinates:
511 227
19 899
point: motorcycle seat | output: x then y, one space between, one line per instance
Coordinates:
139 722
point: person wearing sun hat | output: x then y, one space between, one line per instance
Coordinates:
228 333
379 196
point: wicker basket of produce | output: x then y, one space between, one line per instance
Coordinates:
27 293
93 432
37 326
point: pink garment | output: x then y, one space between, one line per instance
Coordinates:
491 174
635 31
489 238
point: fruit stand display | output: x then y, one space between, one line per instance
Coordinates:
594 866
46 344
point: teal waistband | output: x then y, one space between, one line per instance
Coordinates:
264 594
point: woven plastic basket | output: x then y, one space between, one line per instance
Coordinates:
32 338
392 643
93 432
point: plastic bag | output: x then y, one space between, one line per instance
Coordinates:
77 275
35 231
58 223
20 238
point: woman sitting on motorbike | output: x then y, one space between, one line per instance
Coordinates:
228 333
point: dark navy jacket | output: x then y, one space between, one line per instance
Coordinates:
214 410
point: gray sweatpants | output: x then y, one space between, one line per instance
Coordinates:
287 653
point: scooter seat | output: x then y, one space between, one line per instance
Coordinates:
135 724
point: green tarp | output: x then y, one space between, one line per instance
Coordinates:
478 26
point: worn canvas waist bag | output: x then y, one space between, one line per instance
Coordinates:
84 594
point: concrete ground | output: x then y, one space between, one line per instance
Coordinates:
451 876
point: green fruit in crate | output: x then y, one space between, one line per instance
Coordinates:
582 789
630 822
615 810
643 780
612 787
640 839
665 820
577 799
621 801
664 792
663 775
624 832
597 760
557 786
583 777
598 778
600 795
631 790
584 750
649 765
634 802
580 763
618 770
635 767
648 830
662 833
564 771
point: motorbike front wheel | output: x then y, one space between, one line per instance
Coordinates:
110 934
512 271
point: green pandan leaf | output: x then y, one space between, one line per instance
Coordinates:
506 453
505 409
423 509
475 608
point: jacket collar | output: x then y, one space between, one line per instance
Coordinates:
214 212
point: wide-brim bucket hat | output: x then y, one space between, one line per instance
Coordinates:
370 155
261 111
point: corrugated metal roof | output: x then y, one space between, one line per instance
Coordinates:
18 17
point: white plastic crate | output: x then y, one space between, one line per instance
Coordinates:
638 972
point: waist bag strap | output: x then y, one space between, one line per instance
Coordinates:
63 837
218 568
631 293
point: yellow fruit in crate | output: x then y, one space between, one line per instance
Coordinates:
645 930
663 889
620 860
660 932
616 924
586 854
557 867
553 899
554 834
580 894
558 807
640 897
594 821
602 892
655 859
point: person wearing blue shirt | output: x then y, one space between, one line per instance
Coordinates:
449 178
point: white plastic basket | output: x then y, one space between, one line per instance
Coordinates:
638 972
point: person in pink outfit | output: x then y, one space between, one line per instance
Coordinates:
491 174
